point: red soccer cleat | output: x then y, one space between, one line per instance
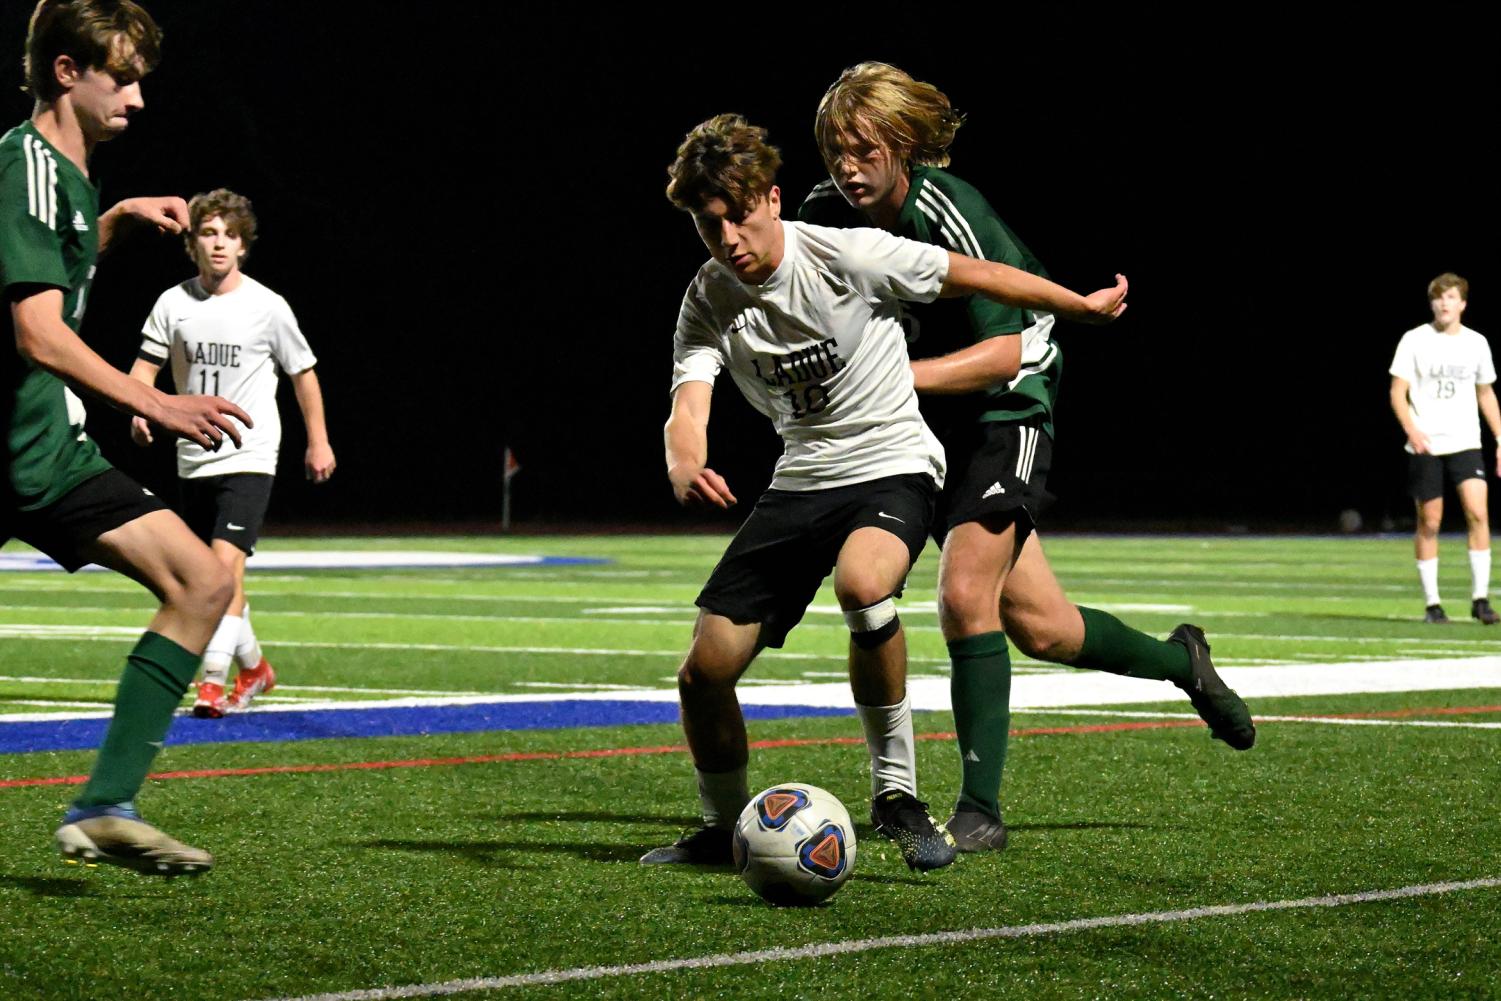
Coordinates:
210 703
250 683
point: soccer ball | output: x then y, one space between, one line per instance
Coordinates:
794 844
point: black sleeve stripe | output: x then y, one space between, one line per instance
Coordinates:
145 355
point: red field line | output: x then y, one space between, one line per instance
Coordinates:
622 752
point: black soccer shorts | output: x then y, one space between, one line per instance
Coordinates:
996 471
1426 473
71 525
776 562
230 507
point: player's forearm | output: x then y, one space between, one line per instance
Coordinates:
144 371
310 401
992 362
1011 286
1402 410
1491 412
111 226
44 340
686 443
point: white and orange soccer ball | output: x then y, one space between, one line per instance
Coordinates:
794 844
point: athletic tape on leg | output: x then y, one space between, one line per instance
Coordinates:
874 624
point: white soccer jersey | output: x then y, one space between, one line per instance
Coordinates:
1442 371
819 348
232 345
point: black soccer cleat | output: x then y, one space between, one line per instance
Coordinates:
1434 614
705 846
1481 609
976 831
1228 718
925 843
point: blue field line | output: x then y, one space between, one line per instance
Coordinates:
386 721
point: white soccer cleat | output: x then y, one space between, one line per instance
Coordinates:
120 837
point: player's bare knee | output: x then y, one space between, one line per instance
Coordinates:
703 670
860 589
203 590
963 601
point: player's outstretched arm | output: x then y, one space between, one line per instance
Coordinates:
1485 397
1015 287
145 372
993 361
686 438
168 213
1417 439
44 340
318 464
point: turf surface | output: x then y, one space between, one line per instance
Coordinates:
359 878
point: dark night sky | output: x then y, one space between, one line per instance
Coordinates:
468 218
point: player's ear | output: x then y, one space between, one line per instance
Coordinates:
66 71
774 199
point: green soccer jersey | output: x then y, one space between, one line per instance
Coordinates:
49 238
943 210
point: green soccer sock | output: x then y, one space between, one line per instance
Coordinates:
157 673
1111 645
980 688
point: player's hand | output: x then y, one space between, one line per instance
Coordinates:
706 487
1419 442
319 463
203 420
1105 305
168 213
140 431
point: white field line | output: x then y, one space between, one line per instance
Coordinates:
1070 689
1218 635
114 633
818 950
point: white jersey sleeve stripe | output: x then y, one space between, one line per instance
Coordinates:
51 192
30 176
946 226
955 216
964 236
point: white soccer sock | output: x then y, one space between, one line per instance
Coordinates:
1428 574
1480 573
888 736
722 795
221 650
247 647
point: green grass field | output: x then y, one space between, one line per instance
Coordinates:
518 871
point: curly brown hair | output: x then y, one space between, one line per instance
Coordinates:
878 105
234 209
113 35
724 157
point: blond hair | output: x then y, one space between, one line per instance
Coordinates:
113 35
878 105
724 157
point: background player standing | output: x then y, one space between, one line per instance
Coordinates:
225 332
807 321
1443 375
84 62
988 376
